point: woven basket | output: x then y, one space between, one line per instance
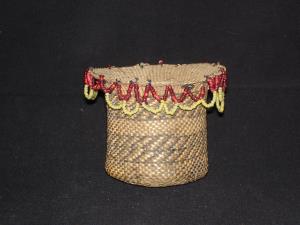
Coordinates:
156 119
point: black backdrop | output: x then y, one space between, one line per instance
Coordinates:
53 142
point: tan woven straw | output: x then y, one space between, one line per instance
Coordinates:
157 149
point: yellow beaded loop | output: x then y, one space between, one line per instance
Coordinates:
114 102
217 99
153 110
212 102
128 112
191 107
220 100
89 93
170 111
118 105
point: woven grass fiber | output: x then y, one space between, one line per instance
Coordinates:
157 149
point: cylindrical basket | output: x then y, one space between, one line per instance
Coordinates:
156 119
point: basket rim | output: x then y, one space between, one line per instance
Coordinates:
160 74
153 64
211 77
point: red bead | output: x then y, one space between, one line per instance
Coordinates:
174 99
157 97
183 96
146 92
99 84
218 80
111 87
136 92
154 94
212 83
194 98
129 90
202 92
88 78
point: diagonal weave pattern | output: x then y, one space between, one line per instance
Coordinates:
157 150
156 125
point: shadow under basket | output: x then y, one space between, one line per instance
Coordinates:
156 119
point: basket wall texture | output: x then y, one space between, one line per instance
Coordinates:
156 119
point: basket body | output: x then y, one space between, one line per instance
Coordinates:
159 150
156 119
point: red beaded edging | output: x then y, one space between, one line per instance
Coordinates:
214 83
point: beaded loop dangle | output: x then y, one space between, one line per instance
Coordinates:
216 85
89 93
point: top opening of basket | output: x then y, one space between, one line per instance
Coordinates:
160 74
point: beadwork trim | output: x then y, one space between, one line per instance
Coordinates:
216 84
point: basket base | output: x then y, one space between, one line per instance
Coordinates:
149 175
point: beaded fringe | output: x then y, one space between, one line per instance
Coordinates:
216 84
